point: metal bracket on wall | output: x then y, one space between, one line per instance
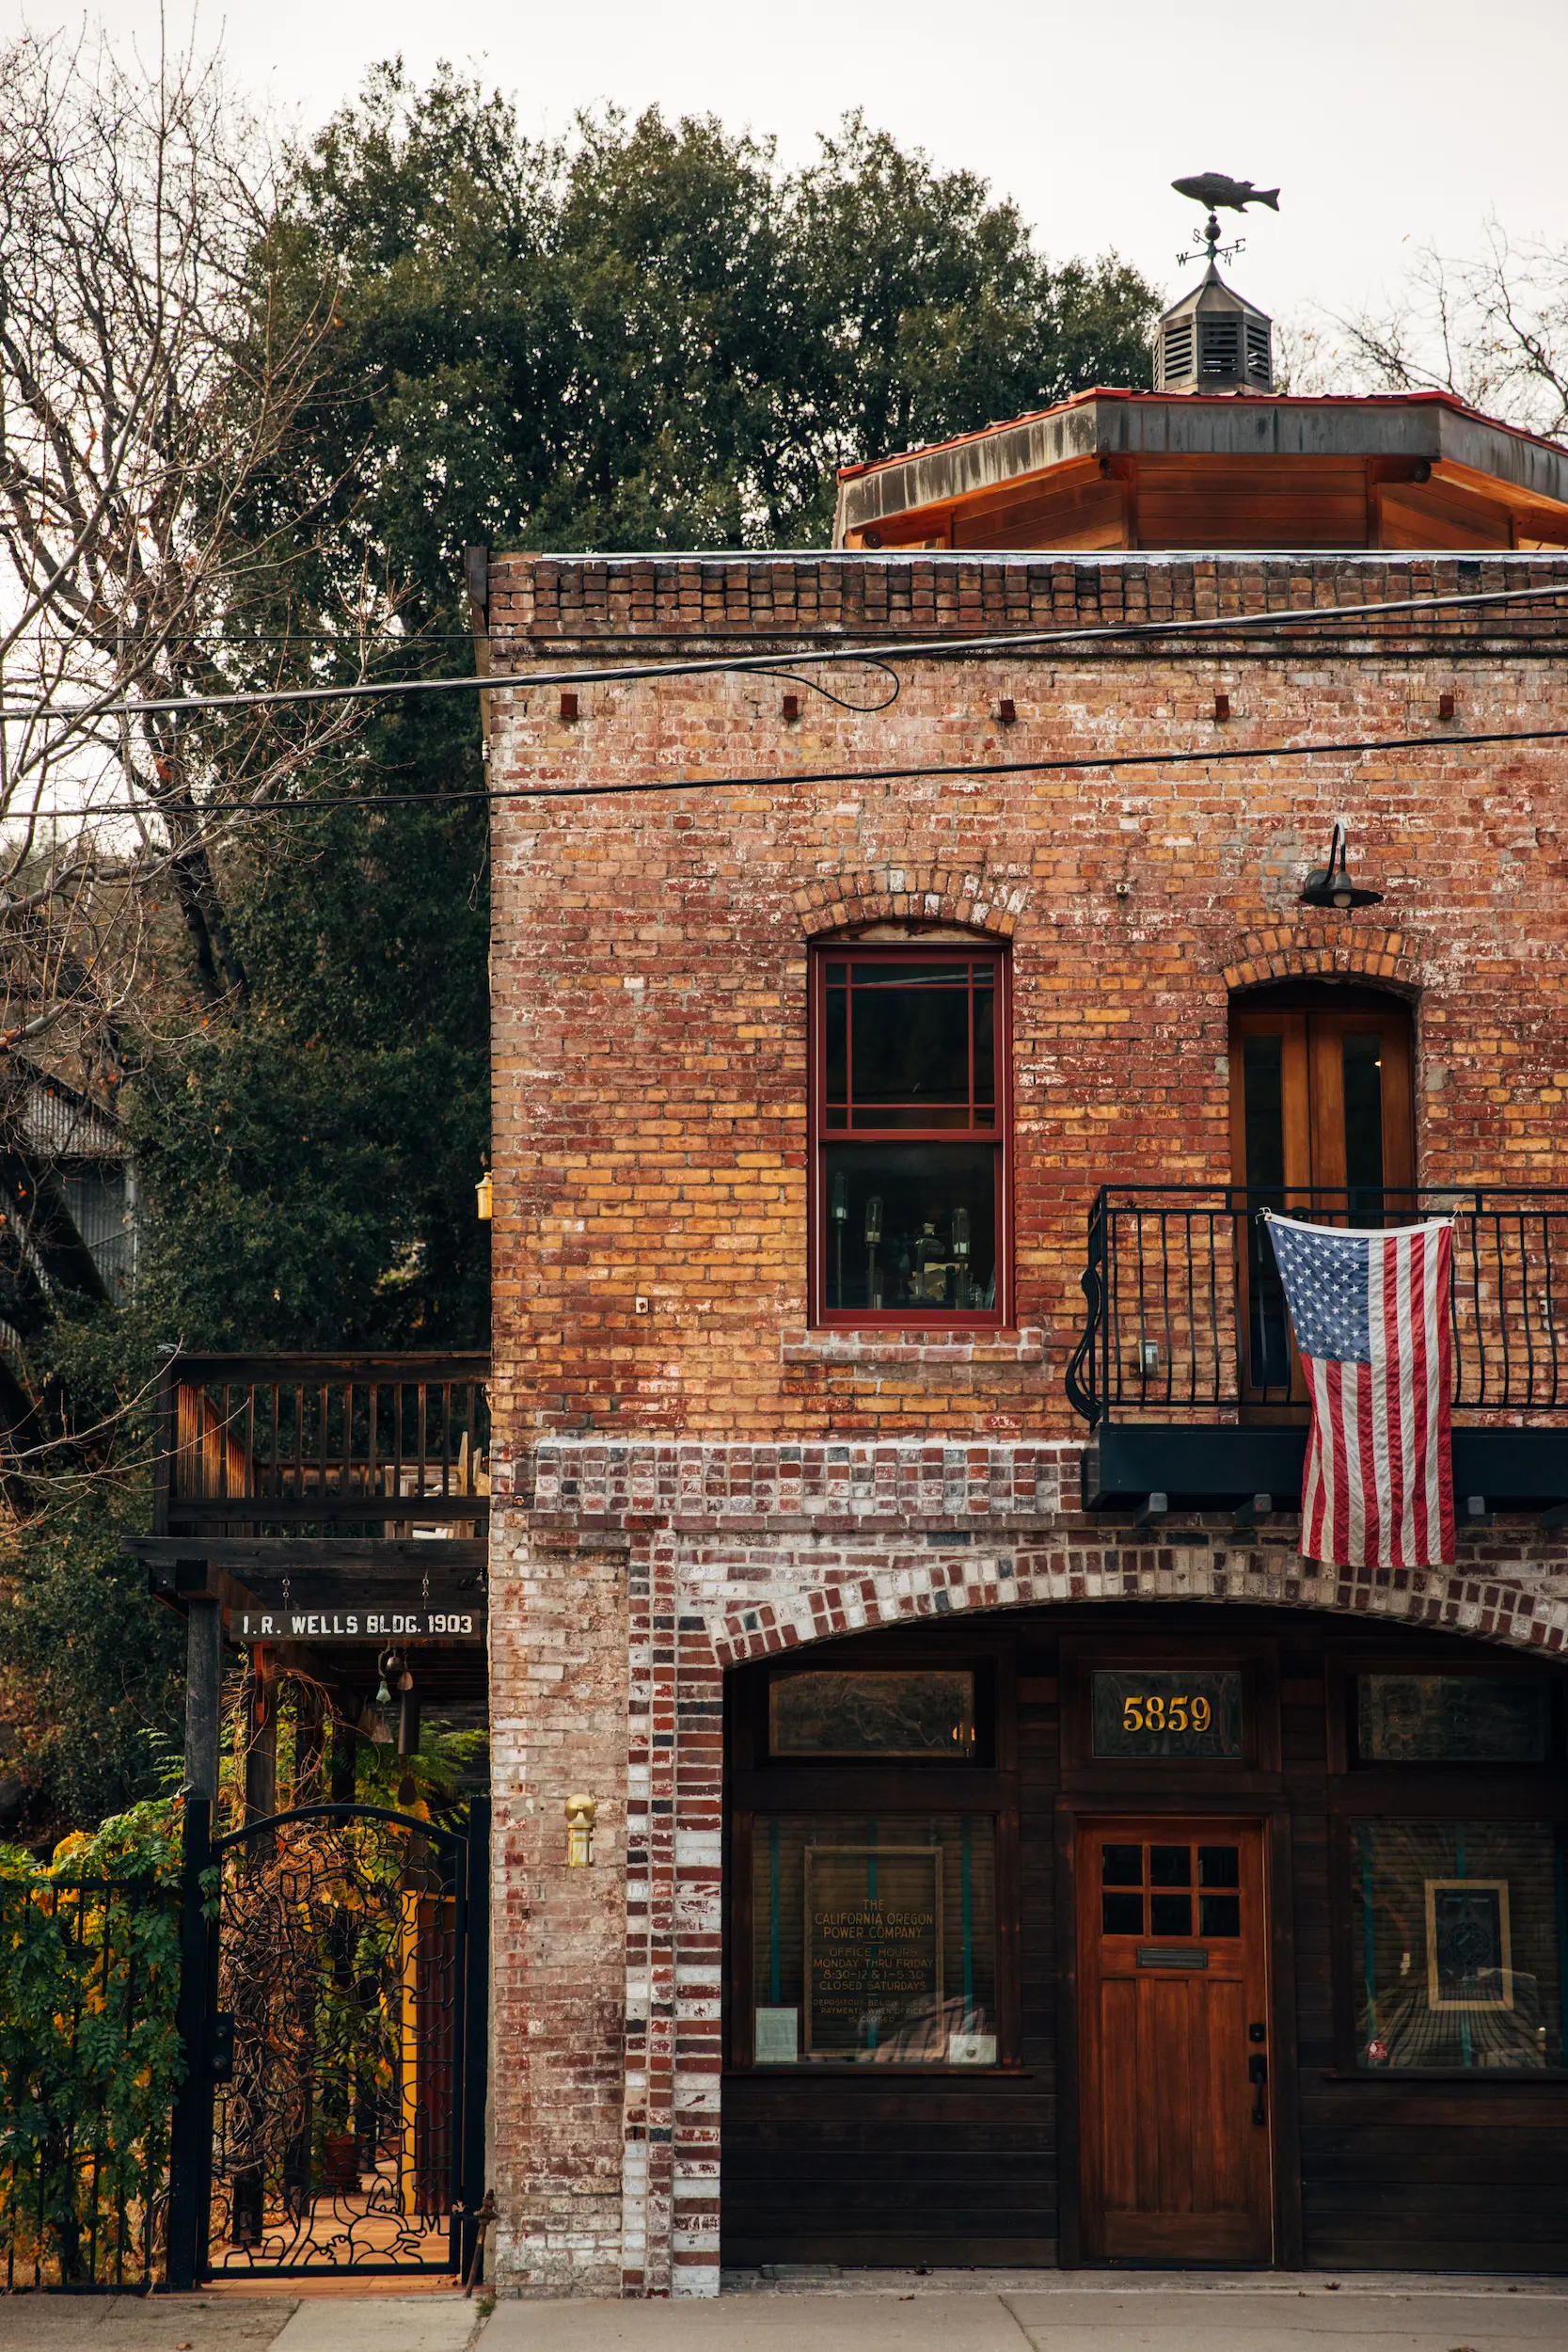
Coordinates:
1249 1514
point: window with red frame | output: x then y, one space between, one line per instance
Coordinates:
908 1103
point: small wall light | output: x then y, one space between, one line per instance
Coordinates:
486 1200
1445 706
581 1813
1007 711
1330 885
1222 708
568 704
792 707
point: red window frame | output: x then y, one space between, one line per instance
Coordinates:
1000 1138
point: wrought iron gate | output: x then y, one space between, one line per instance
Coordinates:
333 2018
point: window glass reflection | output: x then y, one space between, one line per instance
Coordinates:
907 1226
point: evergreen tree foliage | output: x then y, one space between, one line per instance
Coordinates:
647 336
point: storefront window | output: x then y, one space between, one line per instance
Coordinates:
1453 1719
874 1940
1459 1930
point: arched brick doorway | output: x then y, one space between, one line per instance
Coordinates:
982 2154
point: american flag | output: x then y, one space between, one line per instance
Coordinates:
1371 1316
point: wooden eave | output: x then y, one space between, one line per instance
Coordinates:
1490 484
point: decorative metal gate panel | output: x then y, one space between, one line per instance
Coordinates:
333 2115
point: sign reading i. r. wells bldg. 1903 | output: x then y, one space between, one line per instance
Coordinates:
355 1624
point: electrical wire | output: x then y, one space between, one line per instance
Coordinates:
1243 624
1162 756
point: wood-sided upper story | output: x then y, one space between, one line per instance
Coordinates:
1169 470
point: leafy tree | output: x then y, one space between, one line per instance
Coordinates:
648 336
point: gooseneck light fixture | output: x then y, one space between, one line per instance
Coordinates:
1330 885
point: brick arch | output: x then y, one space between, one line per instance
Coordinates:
943 894
1322 951
1476 1601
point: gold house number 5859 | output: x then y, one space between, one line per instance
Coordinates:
1150 1712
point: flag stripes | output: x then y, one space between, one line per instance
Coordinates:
1371 1315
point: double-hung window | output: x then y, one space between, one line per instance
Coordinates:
910 1135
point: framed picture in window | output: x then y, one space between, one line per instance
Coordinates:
1469 1946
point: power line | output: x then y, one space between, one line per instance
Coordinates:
1159 757
882 651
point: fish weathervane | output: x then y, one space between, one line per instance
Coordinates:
1216 189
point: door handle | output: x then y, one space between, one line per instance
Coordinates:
1258 2075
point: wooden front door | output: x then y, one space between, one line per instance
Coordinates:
1175 2100
1321 1128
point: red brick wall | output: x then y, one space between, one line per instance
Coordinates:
650 956
676 1491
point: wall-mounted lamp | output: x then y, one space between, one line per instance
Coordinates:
581 1813
1330 885
485 1192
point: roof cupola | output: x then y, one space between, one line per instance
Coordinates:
1213 340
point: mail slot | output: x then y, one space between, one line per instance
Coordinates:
1172 1956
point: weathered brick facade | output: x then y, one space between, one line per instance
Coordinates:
678 1489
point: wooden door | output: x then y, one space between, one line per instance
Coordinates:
1174 2101
1320 1127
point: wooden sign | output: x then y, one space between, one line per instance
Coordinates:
350 1622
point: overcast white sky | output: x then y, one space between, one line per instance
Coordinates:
1383 121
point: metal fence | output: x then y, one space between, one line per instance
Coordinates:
1187 1316
90 1975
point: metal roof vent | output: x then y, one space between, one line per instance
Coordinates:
1212 340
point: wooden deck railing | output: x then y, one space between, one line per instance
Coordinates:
248 1444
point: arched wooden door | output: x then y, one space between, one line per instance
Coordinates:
1321 1126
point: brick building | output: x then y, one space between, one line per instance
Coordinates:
1008 1848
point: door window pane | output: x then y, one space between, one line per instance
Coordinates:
1121 1914
1457 1954
1263 1113
1219 1914
874 1940
1263 1106
1363 1069
910 1224
1122 1866
1171 1915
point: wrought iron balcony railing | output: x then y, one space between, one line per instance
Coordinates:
334 1443
1187 1317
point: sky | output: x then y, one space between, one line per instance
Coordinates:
1385 123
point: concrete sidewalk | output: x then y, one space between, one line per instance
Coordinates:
868 2311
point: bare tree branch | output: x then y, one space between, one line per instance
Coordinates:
150 412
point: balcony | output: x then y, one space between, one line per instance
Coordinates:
1184 1370
301 1483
